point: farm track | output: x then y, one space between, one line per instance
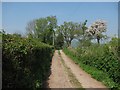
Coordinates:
66 74
58 77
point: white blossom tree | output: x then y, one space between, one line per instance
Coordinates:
96 30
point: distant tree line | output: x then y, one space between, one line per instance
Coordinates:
48 31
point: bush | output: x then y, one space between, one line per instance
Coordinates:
25 62
102 57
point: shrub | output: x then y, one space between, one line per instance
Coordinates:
25 62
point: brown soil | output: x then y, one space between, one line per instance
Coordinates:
58 77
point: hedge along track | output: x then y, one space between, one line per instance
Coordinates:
72 79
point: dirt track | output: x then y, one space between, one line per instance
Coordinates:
59 77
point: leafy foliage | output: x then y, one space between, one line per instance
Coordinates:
43 29
59 41
96 30
102 57
25 62
68 31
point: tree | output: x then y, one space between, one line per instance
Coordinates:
43 29
52 25
81 36
68 30
96 30
30 28
59 41
84 27
81 32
